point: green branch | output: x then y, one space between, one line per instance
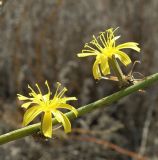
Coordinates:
118 72
31 129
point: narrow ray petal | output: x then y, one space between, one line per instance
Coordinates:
96 70
26 105
65 99
131 45
65 121
105 66
47 124
22 98
30 114
86 54
69 107
124 58
70 98
56 115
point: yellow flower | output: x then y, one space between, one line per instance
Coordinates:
104 48
38 103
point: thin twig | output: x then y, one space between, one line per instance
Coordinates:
111 146
97 132
146 127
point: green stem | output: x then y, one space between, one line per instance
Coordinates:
118 72
31 129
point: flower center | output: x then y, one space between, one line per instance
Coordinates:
108 52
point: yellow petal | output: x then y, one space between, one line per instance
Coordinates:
69 107
86 54
105 66
124 58
96 70
64 120
46 97
65 99
26 105
66 123
22 98
56 115
30 114
37 99
47 124
131 45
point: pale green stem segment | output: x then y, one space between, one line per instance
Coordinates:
31 129
118 72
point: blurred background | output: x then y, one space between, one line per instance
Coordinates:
39 41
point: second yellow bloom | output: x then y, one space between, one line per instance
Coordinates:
104 47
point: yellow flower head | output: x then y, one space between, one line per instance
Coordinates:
104 48
38 103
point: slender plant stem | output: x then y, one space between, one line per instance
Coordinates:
31 129
118 72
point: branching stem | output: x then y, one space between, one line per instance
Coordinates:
118 72
104 102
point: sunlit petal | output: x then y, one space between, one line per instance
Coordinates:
64 120
105 67
26 105
123 57
22 98
65 99
86 54
131 45
56 115
30 114
47 124
69 107
96 70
